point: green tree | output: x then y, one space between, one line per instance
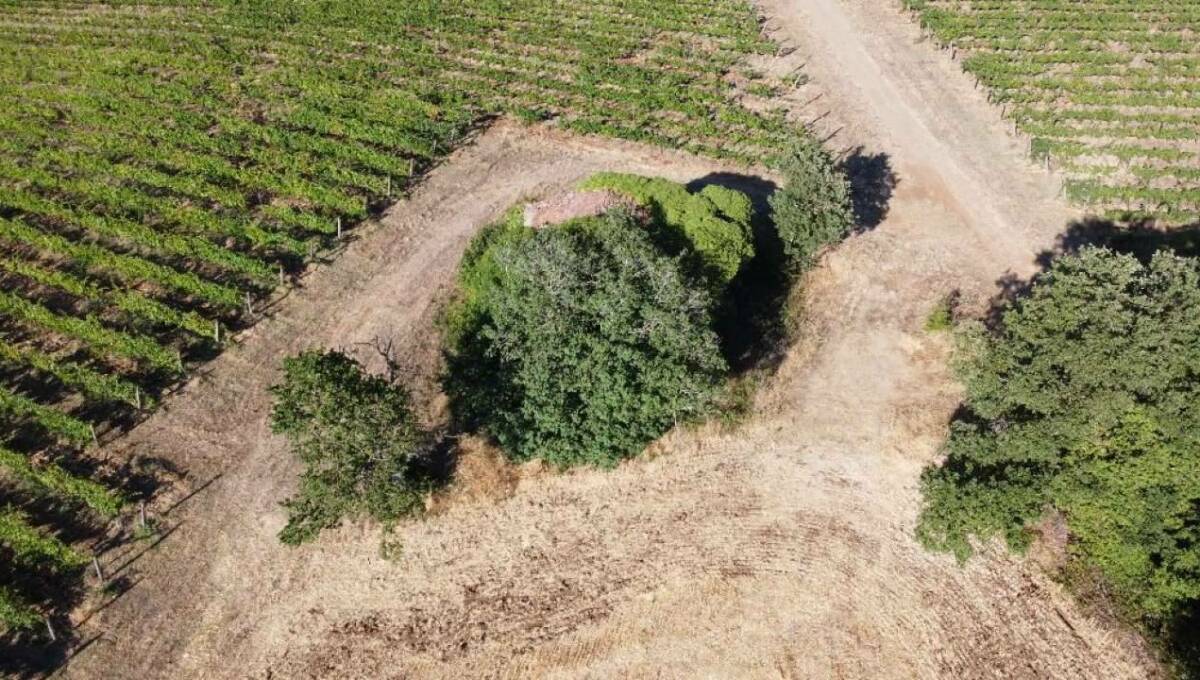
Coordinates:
813 208
580 343
1086 400
356 435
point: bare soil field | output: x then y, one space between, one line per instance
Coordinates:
781 549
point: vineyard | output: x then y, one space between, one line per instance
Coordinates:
166 166
1107 90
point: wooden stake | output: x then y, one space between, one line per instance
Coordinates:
217 331
50 630
142 513
249 306
412 167
96 566
389 186
95 440
137 395
281 275
339 225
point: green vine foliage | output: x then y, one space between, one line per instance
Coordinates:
15 613
357 437
54 481
30 548
1086 400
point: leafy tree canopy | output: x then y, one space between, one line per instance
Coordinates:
813 209
1086 400
356 435
578 343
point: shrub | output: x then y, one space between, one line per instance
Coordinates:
1086 400
713 223
813 208
578 344
356 435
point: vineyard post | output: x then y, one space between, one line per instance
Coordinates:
137 396
96 566
281 274
389 186
339 227
95 439
249 306
50 630
179 360
142 514
217 331
412 167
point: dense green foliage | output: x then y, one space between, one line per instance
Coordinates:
812 209
357 437
579 343
1086 400
1106 88
713 223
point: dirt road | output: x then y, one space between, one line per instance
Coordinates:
783 549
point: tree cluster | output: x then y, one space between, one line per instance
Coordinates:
1086 401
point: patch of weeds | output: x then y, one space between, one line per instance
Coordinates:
736 404
530 116
391 546
941 318
145 531
764 90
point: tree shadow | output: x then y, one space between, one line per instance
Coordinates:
34 655
752 315
434 468
872 183
1141 239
